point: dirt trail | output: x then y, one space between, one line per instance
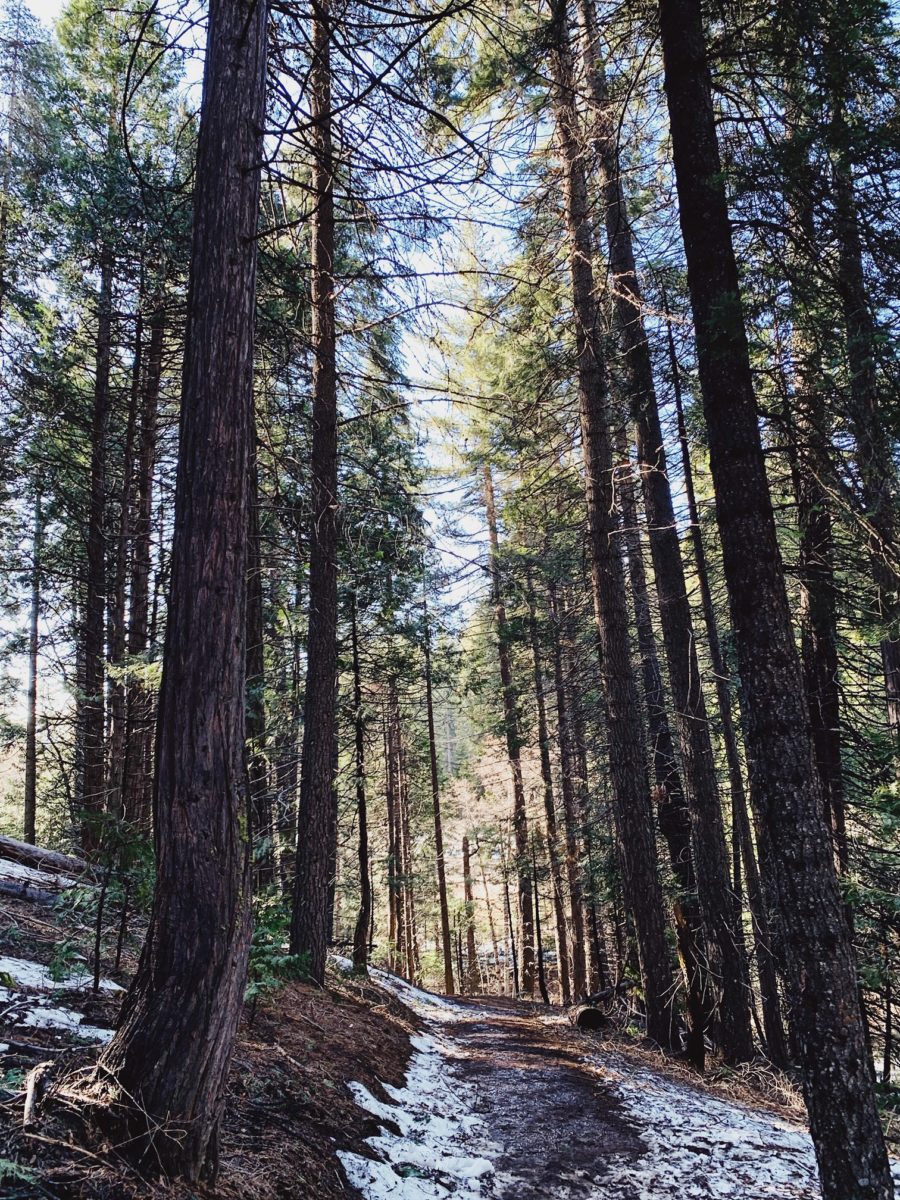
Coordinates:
507 1100
555 1120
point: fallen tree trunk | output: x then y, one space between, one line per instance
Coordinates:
585 1016
38 857
35 1086
24 889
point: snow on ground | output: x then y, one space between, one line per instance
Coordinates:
701 1146
424 1004
698 1147
35 975
36 1012
437 1147
432 1144
22 1009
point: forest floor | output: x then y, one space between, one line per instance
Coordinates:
505 1099
381 1090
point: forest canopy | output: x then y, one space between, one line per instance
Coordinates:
448 519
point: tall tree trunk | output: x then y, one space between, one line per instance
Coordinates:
628 769
165 1069
413 967
34 622
874 450
553 853
542 975
511 932
118 634
776 1044
287 766
570 810
446 943
262 838
364 916
513 741
137 780
818 621
495 945
395 911
827 1022
805 416
472 980
672 812
93 716
309 934
717 903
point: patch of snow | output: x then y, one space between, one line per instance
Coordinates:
35 1012
14 870
701 1146
697 1146
439 1150
424 1004
36 975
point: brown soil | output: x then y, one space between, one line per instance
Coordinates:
539 1099
288 1109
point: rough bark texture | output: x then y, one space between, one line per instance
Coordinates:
628 769
92 714
671 808
316 832
553 848
364 916
446 942
137 775
164 1071
773 1026
721 915
34 617
513 743
826 1019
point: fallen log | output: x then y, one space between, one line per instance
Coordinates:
26 1049
35 1085
23 889
586 1016
42 859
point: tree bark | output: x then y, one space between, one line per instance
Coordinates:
137 778
93 710
628 769
309 934
446 943
262 834
34 621
553 853
542 975
773 1025
164 1071
827 1022
570 810
513 741
364 916
672 812
721 915
472 978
